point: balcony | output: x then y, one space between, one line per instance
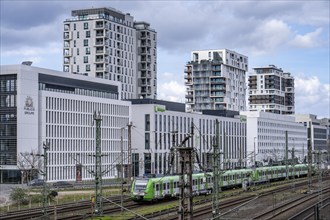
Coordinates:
66 61
189 95
67 36
99 25
217 81
99 68
66 27
67 53
99 43
66 44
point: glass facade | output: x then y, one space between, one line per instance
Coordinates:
8 127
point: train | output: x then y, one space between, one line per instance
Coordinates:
158 188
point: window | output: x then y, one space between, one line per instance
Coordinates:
85 59
85 42
77 51
88 34
88 68
86 25
74 26
147 122
77 34
88 50
147 141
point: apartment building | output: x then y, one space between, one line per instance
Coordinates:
41 106
109 44
158 126
266 137
215 80
271 90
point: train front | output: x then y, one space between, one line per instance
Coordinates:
140 190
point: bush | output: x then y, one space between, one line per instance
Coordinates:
37 198
19 196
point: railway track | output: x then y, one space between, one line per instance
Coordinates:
83 209
283 210
68 209
226 206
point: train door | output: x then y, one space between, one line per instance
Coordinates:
161 189
198 184
157 190
171 187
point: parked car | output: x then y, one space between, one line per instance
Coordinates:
62 184
37 182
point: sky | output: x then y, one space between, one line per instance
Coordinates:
293 35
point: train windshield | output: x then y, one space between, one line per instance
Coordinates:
141 184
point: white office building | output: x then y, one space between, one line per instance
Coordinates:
266 137
109 44
215 80
160 125
41 106
317 136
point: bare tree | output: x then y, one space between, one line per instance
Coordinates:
29 164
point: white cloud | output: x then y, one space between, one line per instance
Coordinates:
268 36
52 48
308 40
171 91
312 96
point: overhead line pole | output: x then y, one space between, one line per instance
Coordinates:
45 194
185 179
129 156
286 155
216 173
98 165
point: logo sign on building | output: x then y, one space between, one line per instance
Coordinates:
159 109
28 107
242 118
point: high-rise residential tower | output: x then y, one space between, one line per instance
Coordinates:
271 90
215 80
106 43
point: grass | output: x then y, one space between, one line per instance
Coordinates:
64 196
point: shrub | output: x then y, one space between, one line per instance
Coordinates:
19 196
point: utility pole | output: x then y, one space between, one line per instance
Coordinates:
121 167
309 159
286 155
45 193
98 165
185 167
129 156
216 173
